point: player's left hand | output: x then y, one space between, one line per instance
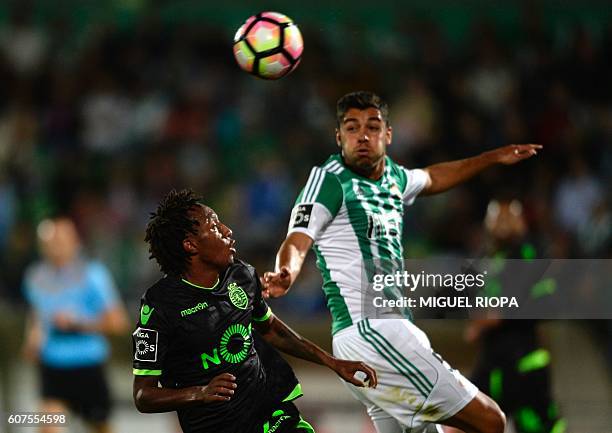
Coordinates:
514 153
347 370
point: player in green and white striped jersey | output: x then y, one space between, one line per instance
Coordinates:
351 211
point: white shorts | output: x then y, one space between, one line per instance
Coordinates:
416 387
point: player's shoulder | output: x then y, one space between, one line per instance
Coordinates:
328 175
36 271
242 267
333 166
397 170
96 270
394 166
162 291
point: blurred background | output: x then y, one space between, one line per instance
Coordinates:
107 105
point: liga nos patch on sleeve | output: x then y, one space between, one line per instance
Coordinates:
302 216
145 344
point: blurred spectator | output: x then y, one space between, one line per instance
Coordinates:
577 197
74 304
491 81
107 116
413 118
99 118
21 43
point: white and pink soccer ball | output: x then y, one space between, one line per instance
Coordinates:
268 45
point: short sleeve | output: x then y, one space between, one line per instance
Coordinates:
261 310
416 180
318 203
150 340
102 284
324 188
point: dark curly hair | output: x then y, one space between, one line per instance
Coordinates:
168 226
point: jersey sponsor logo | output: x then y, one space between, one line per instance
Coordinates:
234 346
277 424
145 314
199 307
383 225
237 296
302 216
145 344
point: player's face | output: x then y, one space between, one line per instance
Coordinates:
213 242
363 136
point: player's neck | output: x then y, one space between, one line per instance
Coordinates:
378 171
202 277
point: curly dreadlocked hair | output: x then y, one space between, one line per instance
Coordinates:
167 228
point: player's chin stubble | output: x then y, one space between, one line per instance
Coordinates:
364 166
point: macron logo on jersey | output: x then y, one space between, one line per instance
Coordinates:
302 216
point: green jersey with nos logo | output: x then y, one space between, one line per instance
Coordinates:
187 334
353 220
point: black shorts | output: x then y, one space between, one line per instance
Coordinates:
84 390
285 418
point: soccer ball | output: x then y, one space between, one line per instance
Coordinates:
268 45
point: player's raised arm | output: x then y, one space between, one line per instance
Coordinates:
289 261
447 175
285 339
315 207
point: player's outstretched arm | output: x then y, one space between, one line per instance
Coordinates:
149 398
285 339
447 175
289 261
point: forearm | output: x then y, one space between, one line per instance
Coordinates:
155 400
112 322
100 327
33 330
33 337
279 335
292 253
447 175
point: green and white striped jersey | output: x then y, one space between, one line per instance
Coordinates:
353 219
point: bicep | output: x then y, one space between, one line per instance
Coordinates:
141 383
300 241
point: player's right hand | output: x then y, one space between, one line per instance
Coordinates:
276 284
220 388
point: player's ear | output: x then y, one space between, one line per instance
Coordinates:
338 141
189 246
389 134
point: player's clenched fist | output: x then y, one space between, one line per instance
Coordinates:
347 370
220 388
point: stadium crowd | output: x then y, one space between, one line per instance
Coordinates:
100 124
